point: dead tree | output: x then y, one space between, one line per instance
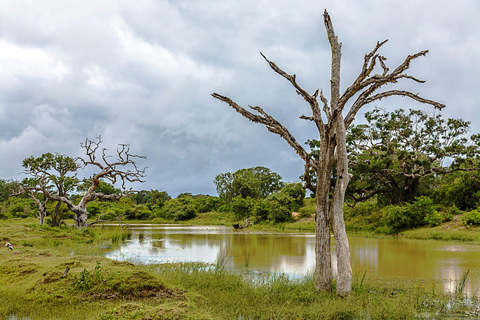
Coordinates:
123 169
332 132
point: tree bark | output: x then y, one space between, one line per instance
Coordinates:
323 259
344 268
55 214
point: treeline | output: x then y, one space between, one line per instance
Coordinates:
440 200
399 181
244 195
256 193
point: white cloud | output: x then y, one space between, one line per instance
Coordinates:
21 64
142 73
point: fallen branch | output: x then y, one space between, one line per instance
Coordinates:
119 218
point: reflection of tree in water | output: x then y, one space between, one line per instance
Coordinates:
187 241
265 250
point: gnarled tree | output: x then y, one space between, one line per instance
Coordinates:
333 146
53 172
123 169
397 153
31 187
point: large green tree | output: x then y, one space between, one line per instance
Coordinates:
396 154
51 172
332 126
256 183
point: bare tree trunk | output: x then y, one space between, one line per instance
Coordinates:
323 259
344 268
55 214
42 209
41 215
81 216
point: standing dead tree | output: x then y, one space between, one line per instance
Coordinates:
112 171
333 150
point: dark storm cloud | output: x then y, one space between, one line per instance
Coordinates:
142 73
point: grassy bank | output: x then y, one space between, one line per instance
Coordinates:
33 286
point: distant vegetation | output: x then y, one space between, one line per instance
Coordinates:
400 182
442 199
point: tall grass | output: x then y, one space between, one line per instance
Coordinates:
461 283
230 295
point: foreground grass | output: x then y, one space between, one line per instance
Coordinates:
32 286
229 296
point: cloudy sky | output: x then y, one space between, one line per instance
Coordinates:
142 73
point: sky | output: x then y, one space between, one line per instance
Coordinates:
142 73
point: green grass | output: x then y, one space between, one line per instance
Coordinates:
99 288
228 295
455 232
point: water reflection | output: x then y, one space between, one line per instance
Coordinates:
294 253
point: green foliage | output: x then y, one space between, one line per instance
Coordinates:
460 189
178 209
471 218
256 183
20 208
437 217
434 219
410 216
396 155
241 207
293 195
87 280
272 210
7 188
103 187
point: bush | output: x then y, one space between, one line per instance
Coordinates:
409 216
471 218
241 207
179 209
279 213
262 210
140 212
20 208
434 219
186 212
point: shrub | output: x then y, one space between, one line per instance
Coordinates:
185 212
434 219
472 217
279 213
409 216
241 207
398 218
261 210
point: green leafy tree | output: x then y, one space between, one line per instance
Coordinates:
7 188
103 187
398 154
256 183
50 173
241 207
460 189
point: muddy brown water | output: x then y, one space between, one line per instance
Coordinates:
294 253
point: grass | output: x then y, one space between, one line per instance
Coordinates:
229 296
99 288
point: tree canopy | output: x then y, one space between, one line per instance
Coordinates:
256 182
395 153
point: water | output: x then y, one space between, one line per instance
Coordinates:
294 253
